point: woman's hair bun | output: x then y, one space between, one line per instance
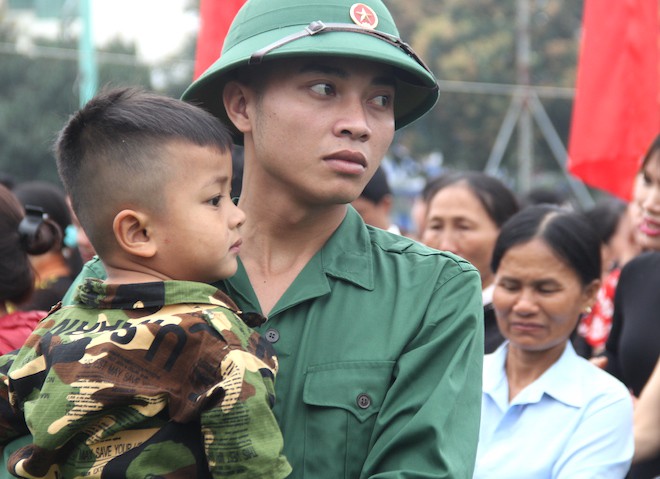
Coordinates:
38 234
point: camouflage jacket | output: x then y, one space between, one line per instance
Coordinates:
144 380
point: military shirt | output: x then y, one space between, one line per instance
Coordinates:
380 343
380 347
158 379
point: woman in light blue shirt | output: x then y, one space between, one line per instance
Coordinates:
546 412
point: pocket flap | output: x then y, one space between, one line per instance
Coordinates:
358 386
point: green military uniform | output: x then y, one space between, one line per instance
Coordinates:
380 343
141 380
380 339
373 384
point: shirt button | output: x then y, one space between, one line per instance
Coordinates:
363 401
272 335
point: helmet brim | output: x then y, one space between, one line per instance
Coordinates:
416 87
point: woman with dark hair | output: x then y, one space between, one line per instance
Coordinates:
633 346
611 218
20 235
56 269
464 214
546 412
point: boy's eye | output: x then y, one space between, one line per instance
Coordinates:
215 201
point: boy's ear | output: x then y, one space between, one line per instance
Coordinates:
235 98
132 233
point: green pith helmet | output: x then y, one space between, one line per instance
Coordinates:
265 30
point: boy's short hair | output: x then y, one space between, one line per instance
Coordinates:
109 153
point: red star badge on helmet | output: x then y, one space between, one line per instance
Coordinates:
364 16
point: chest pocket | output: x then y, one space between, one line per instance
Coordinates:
342 403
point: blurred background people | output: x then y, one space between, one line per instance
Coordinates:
465 211
419 208
544 195
55 269
633 346
19 236
546 412
611 218
375 203
77 237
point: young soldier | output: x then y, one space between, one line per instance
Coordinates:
379 339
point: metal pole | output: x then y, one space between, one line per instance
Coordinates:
525 145
504 135
543 120
87 69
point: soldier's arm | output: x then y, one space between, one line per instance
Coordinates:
428 426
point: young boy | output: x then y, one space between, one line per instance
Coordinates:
151 372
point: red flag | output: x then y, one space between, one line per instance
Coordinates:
616 112
215 18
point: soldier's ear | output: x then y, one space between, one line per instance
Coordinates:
235 97
132 232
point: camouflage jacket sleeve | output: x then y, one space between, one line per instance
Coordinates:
183 390
241 435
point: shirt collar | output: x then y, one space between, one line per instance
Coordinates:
95 293
345 256
561 381
495 383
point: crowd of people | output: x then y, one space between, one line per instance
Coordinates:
219 289
615 332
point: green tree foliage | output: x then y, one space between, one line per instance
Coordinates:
39 92
35 96
475 41
173 75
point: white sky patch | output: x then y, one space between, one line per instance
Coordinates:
158 27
